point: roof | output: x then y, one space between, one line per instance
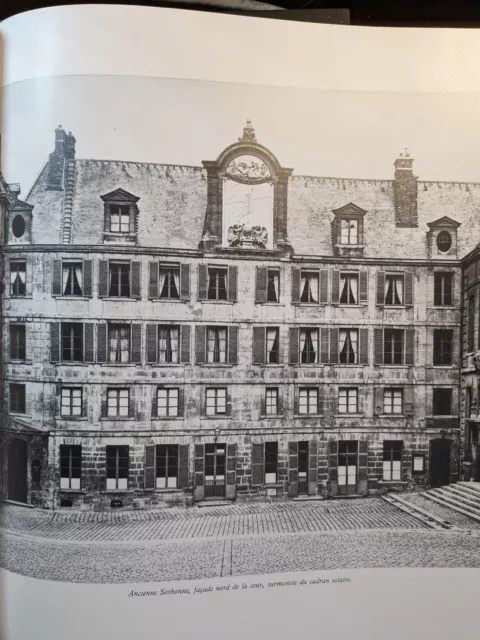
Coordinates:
7 423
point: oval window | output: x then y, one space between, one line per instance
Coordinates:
444 241
18 226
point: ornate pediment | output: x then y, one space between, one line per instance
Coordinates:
444 221
241 236
349 209
119 195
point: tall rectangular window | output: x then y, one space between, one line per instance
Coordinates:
117 467
167 466
442 289
72 342
442 347
348 400
393 346
168 340
442 402
17 398
119 218
169 282
70 466
119 343
72 278
271 401
217 345
348 288
271 462
471 323
394 286
18 272
308 346
393 401
348 346
273 285
217 283
17 341
309 286
119 280
167 403
392 460
272 345
118 403
216 402
71 404
307 400
348 231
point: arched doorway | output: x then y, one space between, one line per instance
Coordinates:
440 454
17 470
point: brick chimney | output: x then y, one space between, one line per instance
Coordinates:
64 150
405 192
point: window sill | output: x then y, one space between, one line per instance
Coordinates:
113 236
172 365
394 306
15 296
346 305
349 246
17 413
61 297
400 416
395 366
166 418
119 364
117 418
443 306
270 416
308 415
12 361
172 490
119 299
443 366
72 491
222 417
215 365
348 415
315 305
216 301
389 483
175 300
271 304
115 491
75 418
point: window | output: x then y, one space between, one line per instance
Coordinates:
17 398
471 323
216 402
309 286
17 342
272 345
303 462
119 218
72 342
393 346
348 346
169 283
348 231
71 404
273 285
217 283
271 462
392 460
168 340
117 467
72 280
348 288
442 347
308 346
119 343
167 466
119 280
167 403
442 289
217 345
393 401
394 284
118 403
271 401
348 400
18 226
307 401
442 402
70 466
444 241
18 270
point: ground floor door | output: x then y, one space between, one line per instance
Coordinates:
303 468
17 470
347 467
440 451
215 470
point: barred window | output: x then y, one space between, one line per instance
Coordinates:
71 404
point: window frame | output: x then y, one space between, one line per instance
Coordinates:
394 276
21 401
168 350
312 395
349 275
117 391
394 448
216 403
169 404
121 206
71 467
69 264
19 261
218 270
393 391
276 342
439 281
118 326
73 326
435 403
274 272
270 460
169 267
118 264
217 345
308 333
268 405
124 476
70 389
355 353
309 275
169 455
18 342
439 343
348 220
393 331
348 391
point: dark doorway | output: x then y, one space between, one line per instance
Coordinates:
439 462
347 467
215 470
17 470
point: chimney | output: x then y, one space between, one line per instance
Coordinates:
64 150
405 192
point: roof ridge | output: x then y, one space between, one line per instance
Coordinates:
138 162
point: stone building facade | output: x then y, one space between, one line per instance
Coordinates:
232 331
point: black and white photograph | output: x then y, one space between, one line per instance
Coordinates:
240 330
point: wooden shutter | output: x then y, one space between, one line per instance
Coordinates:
181 401
103 279
155 402
57 278
202 281
362 486
279 401
185 344
184 281
334 345
295 285
294 345
183 466
363 287
408 396
88 342
259 345
233 344
55 341
131 405
333 461
136 355
150 467
104 405
292 488
409 346
324 345
151 343
132 219
261 283
199 471
153 269
380 288
136 280
378 408
200 344
258 463
232 283
320 394
335 286
312 468
87 278
107 224
323 286
408 288
231 471
102 342
363 346
378 345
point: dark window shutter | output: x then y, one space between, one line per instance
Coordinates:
408 401
295 285
200 344
378 408
102 342
409 346
258 474
199 465
362 460
232 283
334 345
103 279
320 394
132 219
333 460
292 469
231 464
131 406
381 288
88 344
233 345
184 281
104 406
312 467
323 286
181 401
363 287
202 281
185 344
259 345
150 471
363 348
107 219
408 288
228 408
279 401
136 277
153 280
57 278
183 466
136 344
261 285
155 403
335 287
324 344
55 342
151 342
294 346
87 278
378 345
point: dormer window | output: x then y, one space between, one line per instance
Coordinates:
347 231
444 241
121 213
119 218
442 238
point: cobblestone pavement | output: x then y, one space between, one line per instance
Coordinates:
454 517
